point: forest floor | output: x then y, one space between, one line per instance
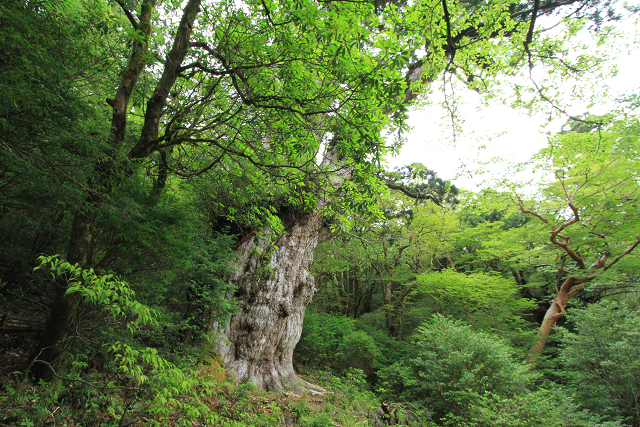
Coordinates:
19 331
74 403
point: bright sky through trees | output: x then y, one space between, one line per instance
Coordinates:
493 129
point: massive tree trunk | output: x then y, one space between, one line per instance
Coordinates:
274 286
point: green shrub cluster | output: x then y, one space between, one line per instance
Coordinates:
462 377
601 359
333 342
455 370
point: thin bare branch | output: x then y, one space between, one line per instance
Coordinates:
626 252
529 211
128 14
410 193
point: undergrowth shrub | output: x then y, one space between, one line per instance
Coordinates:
204 292
118 381
358 350
544 407
393 350
321 337
601 359
455 369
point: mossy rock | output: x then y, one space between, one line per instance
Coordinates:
211 363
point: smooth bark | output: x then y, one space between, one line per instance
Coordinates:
574 283
555 312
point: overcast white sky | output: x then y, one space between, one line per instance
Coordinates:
497 130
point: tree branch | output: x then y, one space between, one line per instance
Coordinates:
548 6
532 24
268 13
201 171
447 20
127 12
626 252
529 211
410 193
147 143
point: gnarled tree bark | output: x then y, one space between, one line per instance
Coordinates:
257 344
274 286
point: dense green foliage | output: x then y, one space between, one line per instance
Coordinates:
601 358
428 297
455 368
492 267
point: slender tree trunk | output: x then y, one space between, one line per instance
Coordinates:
63 317
355 294
518 277
552 315
366 301
389 312
556 311
274 288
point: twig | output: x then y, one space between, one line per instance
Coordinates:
77 380
127 12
